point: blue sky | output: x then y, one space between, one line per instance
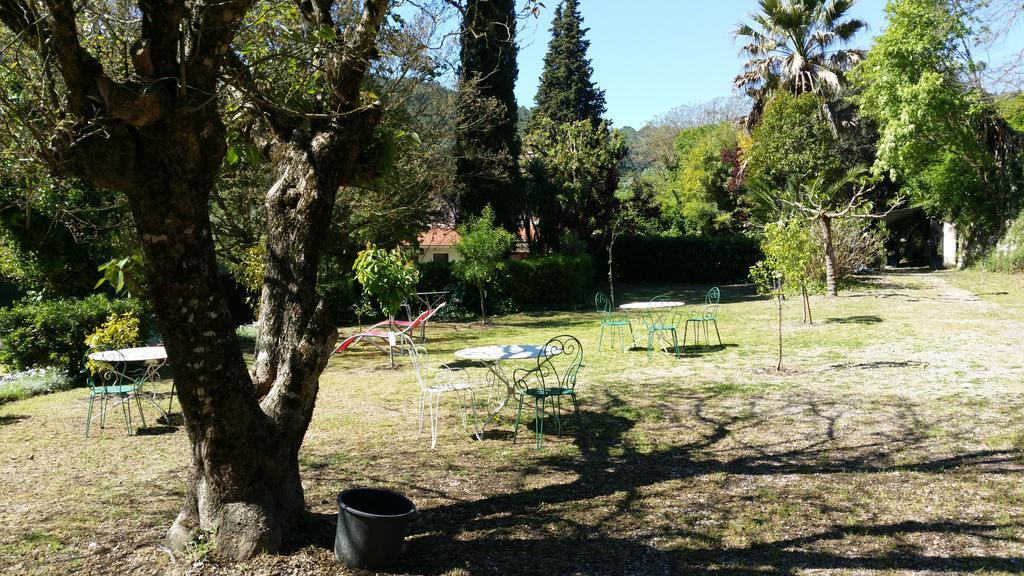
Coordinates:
653 55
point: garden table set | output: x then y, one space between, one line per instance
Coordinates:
123 375
499 386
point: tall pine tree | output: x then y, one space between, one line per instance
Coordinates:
487 139
566 92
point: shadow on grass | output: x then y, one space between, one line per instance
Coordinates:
155 430
705 349
590 524
878 364
865 319
11 419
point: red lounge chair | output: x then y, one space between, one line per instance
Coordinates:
393 336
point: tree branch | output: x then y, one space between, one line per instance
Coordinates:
360 48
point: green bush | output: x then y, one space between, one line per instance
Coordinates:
52 332
556 282
685 259
552 282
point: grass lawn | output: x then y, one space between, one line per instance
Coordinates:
890 444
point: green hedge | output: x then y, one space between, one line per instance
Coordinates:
42 333
685 259
552 282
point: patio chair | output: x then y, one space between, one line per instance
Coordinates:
709 315
435 383
660 321
106 381
553 378
616 323
390 331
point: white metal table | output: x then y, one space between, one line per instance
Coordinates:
492 358
153 359
647 309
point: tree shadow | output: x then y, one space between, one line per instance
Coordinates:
528 531
11 419
864 319
155 430
534 530
878 364
705 349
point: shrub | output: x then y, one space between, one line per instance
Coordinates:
555 281
685 259
388 276
483 246
856 246
119 331
52 332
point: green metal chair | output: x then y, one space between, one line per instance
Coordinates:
109 380
659 321
701 319
553 378
616 323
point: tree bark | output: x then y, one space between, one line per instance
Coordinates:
161 143
830 255
611 285
807 304
483 309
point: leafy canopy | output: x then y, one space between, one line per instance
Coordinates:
386 275
567 92
938 133
797 46
792 142
483 247
579 165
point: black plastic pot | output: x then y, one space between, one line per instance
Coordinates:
372 525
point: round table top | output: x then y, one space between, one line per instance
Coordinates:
652 305
505 352
140 354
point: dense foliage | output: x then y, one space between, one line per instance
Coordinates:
939 133
487 145
573 174
388 276
567 92
550 282
53 332
483 248
792 143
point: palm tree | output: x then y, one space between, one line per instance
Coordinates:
797 45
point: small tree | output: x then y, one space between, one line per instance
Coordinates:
789 251
483 247
388 276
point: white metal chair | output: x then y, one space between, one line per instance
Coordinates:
434 383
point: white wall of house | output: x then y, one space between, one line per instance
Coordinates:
950 257
427 253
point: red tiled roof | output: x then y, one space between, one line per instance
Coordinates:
439 237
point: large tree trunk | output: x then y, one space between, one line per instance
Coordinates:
830 256
243 480
161 142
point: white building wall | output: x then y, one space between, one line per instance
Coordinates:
427 253
950 257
